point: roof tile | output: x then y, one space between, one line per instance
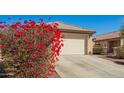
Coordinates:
108 36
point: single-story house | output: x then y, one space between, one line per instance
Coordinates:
77 40
109 41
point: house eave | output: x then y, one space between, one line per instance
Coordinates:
107 39
77 31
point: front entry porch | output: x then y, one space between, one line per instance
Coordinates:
110 45
113 44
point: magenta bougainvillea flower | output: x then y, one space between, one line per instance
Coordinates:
3 46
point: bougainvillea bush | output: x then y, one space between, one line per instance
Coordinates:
29 48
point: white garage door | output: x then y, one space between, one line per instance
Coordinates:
74 44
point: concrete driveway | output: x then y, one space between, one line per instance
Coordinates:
88 66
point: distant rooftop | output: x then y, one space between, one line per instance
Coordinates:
107 36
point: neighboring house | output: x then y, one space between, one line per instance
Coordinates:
77 40
109 41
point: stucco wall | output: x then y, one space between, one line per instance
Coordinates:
122 42
90 44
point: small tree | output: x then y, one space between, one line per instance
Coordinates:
120 50
122 33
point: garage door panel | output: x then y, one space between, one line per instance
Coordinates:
74 44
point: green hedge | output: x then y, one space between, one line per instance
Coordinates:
97 49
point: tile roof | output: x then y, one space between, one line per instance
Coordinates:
107 36
72 28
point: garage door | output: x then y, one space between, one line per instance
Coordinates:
74 44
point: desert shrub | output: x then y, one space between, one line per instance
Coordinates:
120 52
97 49
122 31
30 49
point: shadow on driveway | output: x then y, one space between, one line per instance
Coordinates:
119 63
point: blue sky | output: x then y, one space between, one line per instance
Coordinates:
100 23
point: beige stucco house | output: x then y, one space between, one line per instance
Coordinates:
109 41
77 40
